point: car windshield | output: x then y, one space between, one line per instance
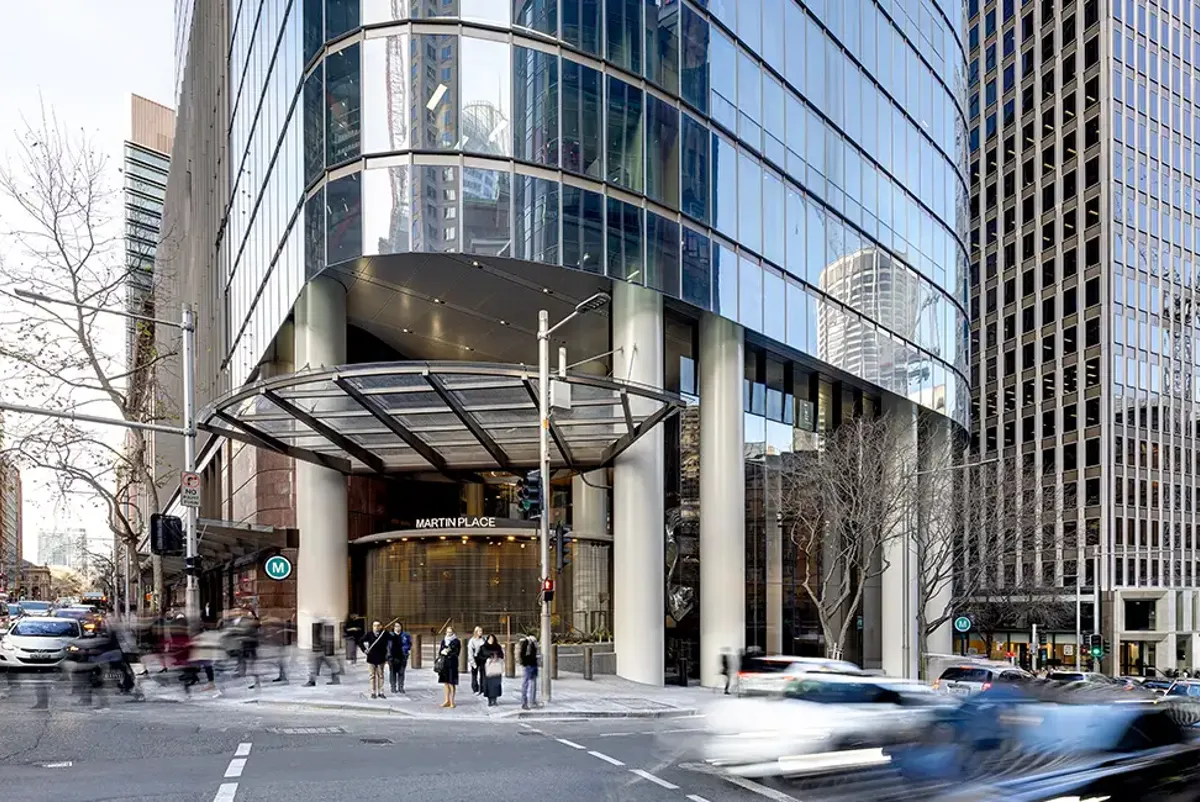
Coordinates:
14 609
77 614
963 674
758 665
813 690
1066 676
46 629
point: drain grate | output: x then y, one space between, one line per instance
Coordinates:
376 740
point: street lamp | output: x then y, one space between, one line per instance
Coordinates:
187 325
590 304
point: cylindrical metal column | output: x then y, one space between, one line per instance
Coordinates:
322 584
638 516
722 495
192 597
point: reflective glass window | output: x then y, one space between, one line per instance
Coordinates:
725 186
774 116
314 234
314 124
662 44
314 28
535 223
433 9
725 281
697 269
796 213
583 229
772 31
495 12
623 33
581 26
796 122
750 224
581 114
486 103
793 23
815 263
662 152
725 11
694 149
341 16
343 202
749 100
662 255
435 221
385 122
434 71
774 305
624 120
386 201
722 71
486 212
384 11
796 307
538 15
774 211
625 241
343 94
694 59
750 294
749 23
535 106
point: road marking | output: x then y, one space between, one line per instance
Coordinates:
645 775
761 790
242 750
235 767
226 792
606 758
63 764
571 744
696 798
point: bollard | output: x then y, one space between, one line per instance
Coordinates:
589 652
510 660
462 658
554 661
415 654
683 671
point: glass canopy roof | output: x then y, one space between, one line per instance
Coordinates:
450 417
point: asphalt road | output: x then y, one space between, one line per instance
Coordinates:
216 752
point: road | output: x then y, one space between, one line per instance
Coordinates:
211 751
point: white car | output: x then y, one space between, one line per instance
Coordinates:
37 643
37 608
972 678
825 722
769 675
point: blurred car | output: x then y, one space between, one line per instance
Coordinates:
88 618
771 674
1083 676
37 608
35 643
1159 685
1184 687
972 678
823 723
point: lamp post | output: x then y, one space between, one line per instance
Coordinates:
590 304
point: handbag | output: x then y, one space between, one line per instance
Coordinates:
494 667
439 663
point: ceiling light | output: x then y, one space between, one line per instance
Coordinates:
406 331
438 301
546 290
403 540
503 322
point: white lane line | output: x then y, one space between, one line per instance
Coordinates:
696 798
235 767
226 792
64 764
645 775
761 790
571 744
606 758
242 750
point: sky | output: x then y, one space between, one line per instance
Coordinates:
82 59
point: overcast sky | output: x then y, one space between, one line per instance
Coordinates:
83 59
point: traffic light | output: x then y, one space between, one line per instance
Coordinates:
529 495
1097 647
1041 638
562 546
548 590
192 566
166 535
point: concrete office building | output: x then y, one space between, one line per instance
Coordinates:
404 185
11 550
1082 272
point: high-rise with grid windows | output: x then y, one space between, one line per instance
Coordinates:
1083 250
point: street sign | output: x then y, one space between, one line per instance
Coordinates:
1068 650
962 624
278 567
189 489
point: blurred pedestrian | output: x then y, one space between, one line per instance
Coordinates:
351 632
206 649
490 659
726 667
472 654
446 664
275 638
245 629
529 664
374 646
399 645
323 655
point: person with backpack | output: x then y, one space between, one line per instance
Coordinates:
529 663
399 645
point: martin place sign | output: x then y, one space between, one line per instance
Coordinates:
456 523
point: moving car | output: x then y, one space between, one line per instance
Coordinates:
971 678
1082 676
771 674
37 643
37 608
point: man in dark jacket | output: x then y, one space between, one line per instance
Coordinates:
529 663
375 645
399 645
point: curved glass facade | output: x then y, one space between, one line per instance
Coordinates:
796 167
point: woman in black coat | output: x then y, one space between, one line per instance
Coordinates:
446 664
490 659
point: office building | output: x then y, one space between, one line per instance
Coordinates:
773 193
11 550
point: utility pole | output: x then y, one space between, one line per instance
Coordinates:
191 547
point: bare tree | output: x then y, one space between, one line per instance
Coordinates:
843 505
67 241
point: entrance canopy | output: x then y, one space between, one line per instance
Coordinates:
450 417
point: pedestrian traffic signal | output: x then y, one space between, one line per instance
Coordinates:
529 495
548 590
562 546
166 535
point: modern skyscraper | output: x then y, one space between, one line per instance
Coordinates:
772 192
1083 253
11 550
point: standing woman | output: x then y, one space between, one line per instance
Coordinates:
490 659
446 664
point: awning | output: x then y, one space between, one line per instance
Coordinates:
449 417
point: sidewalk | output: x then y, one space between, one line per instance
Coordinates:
574 697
